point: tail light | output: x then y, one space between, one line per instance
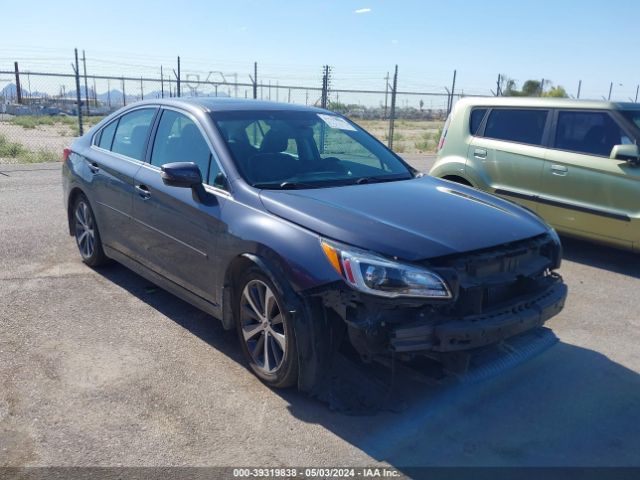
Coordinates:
65 154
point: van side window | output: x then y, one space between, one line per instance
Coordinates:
477 114
593 133
515 125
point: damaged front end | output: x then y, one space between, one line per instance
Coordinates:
486 297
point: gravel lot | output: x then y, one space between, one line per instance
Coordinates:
99 368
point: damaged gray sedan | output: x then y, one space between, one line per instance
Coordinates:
301 231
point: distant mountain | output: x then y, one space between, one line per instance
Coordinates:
9 90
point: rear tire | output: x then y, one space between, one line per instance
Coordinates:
85 231
265 330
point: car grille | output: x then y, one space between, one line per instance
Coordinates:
493 278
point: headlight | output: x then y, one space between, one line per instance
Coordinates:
557 260
377 275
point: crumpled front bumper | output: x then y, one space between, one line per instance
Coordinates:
465 333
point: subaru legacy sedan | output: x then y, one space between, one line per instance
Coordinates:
301 231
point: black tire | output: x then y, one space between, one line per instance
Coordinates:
270 324
85 231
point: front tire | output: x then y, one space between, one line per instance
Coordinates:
85 231
265 329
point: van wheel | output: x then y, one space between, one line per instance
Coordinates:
265 329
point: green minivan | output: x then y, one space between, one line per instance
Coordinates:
576 163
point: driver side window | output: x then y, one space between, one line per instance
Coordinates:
592 133
178 139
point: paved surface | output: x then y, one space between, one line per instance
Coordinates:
101 368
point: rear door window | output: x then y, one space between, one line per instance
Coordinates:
106 136
477 114
517 125
592 133
132 132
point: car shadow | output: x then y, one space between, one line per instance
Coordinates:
566 406
601 256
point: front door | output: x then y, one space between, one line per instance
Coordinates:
177 232
583 190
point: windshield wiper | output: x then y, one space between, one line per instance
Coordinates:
363 180
295 185
286 185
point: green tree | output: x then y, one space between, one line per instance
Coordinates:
531 88
557 91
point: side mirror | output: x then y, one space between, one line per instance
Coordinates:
181 174
630 153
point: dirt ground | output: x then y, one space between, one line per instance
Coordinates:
52 138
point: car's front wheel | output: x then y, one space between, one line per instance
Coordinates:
86 233
265 329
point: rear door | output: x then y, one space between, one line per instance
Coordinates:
176 233
117 154
508 150
583 190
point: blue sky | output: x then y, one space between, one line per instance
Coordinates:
563 41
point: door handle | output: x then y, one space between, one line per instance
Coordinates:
143 191
559 170
480 153
93 166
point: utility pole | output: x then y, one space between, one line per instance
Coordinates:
18 89
161 82
610 90
177 78
86 89
637 90
141 90
498 92
254 80
124 94
326 74
76 69
109 93
386 93
95 93
392 116
579 88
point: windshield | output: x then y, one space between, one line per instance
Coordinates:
301 149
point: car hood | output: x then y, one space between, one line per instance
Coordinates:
413 219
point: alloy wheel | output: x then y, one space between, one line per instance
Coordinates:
263 326
85 229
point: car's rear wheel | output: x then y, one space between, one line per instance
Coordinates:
86 233
265 329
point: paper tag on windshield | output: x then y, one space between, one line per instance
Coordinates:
336 122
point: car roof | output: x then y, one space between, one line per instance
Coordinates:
548 102
226 104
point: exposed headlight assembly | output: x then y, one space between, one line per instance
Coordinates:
380 276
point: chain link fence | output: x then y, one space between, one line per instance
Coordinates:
42 112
